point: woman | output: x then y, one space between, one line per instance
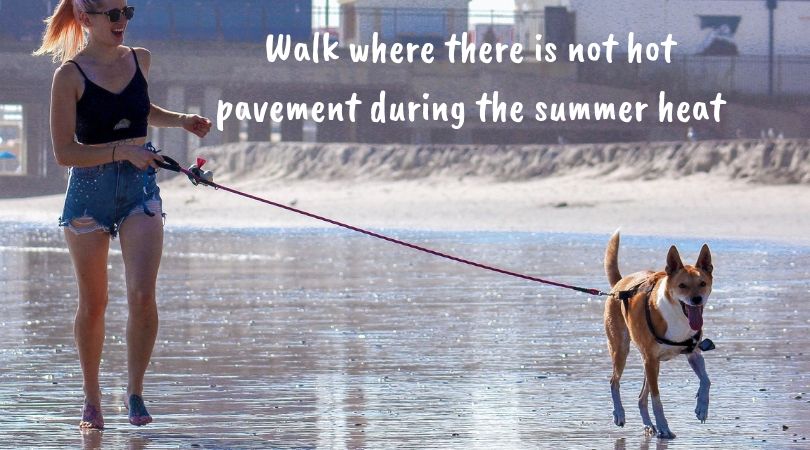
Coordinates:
99 95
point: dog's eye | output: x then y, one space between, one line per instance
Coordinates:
682 286
702 284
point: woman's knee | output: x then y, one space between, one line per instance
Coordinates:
93 306
141 299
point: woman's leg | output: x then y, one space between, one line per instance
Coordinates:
141 244
89 254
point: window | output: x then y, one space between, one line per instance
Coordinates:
12 140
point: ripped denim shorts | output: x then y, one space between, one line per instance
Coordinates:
102 197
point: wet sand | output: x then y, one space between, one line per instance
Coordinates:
322 338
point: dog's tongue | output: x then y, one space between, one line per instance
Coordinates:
695 316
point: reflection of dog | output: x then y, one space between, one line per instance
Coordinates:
662 312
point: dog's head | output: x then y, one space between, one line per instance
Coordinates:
690 285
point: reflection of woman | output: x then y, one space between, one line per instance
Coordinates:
101 98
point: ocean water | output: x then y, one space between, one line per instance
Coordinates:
325 338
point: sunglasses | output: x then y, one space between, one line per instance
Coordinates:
115 14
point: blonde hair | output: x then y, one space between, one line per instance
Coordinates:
64 36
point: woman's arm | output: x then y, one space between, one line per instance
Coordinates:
163 118
159 117
68 152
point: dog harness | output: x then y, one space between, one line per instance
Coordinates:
689 344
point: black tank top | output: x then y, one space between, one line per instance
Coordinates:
102 116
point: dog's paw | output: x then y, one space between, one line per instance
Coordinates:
618 417
702 411
665 434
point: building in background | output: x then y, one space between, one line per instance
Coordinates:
11 139
21 20
417 21
497 33
219 43
228 20
708 27
728 26
530 19
178 20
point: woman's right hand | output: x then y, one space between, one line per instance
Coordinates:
138 156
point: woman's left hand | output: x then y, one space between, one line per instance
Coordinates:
197 125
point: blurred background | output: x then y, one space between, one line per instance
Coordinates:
755 52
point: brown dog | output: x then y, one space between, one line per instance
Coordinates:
662 313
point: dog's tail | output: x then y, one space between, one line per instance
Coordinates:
612 260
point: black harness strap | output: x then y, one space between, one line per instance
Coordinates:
626 295
689 344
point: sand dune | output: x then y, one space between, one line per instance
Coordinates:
769 162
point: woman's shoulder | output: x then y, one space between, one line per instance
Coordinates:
144 58
142 53
67 83
68 72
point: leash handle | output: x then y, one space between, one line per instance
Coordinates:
169 164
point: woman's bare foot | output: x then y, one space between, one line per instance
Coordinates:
138 415
91 417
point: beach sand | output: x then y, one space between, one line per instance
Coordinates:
274 336
730 189
700 206
322 338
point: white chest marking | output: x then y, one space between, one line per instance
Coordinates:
678 328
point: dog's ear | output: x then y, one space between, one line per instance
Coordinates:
674 262
704 261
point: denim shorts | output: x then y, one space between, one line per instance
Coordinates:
102 197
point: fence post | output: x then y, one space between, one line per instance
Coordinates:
779 60
771 4
685 77
733 73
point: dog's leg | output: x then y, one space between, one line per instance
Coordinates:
619 347
699 366
651 368
618 409
643 405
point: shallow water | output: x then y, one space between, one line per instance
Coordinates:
323 338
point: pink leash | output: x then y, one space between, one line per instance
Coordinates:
172 165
